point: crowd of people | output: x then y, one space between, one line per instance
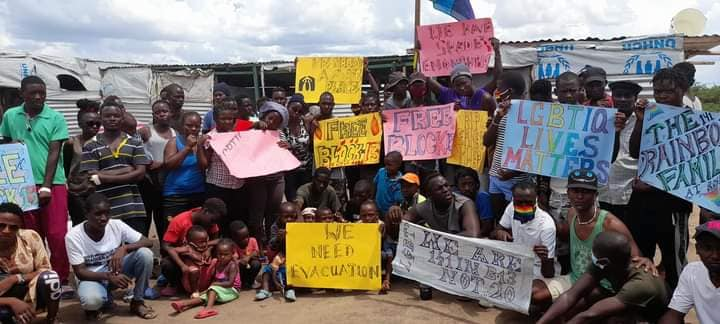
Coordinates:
594 244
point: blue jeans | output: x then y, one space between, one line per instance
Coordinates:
96 294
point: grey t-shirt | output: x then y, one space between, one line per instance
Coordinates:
448 221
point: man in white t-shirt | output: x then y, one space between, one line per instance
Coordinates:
524 223
105 253
699 284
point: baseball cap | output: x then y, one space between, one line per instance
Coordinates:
712 227
411 178
395 78
629 85
417 77
592 73
582 179
459 70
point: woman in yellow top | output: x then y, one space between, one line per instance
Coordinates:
27 283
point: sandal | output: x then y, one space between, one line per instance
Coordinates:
142 310
262 295
205 313
178 306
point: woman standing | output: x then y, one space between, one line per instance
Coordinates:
298 138
265 193
155 137
27 281
79 187
184 187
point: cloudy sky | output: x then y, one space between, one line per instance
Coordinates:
212 31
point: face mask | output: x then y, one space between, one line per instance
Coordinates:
417 92
524 212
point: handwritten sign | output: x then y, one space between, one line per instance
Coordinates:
252 153
499 272
423 133
17 184
348 141
341 76
468 149
679 153
552 139
335 255
444 45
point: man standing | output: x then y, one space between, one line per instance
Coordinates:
594 80
689 99
615 196
220 92
43 130
398 86
175 95
660 218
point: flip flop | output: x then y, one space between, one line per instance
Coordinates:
178 306
205 313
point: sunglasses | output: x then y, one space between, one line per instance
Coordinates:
12 227
601 262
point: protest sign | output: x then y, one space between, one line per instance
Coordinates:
468 148
17 184
444 45
341 76
679 153
334 255
252 153
422 133
348 141
552 139
499 272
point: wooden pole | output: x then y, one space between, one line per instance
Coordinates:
417 23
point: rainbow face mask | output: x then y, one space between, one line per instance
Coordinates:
524 212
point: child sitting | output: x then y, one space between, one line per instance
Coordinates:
308 215
225 287
369 214
273 274
387 183
326 215
246 253
195 260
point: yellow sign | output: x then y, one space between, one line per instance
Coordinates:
334 255
341 76
348 141
468 149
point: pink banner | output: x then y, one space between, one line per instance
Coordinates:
253 153
423 133
444 45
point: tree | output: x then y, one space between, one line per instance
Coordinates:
709 95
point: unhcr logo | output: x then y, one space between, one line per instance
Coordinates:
551 66
306 83
647 63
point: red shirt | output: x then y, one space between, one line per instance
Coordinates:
249 249
179 226
243 125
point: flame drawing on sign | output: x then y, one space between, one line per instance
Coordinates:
375 126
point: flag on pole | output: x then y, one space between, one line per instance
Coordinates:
458 9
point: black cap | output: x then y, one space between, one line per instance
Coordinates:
628 85
583 179
592 73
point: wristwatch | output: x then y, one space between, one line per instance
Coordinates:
20 278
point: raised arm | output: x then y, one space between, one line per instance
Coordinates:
369 76
497 66
434 86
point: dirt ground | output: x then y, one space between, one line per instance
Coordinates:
401 305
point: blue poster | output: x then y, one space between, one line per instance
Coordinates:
552 139
679 153
16 178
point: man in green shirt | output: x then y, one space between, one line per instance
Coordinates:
639 295
43 130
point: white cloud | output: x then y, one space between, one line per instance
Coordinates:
205 31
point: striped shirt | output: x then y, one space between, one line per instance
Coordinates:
125 200
498 154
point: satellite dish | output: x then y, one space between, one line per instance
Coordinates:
690 22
